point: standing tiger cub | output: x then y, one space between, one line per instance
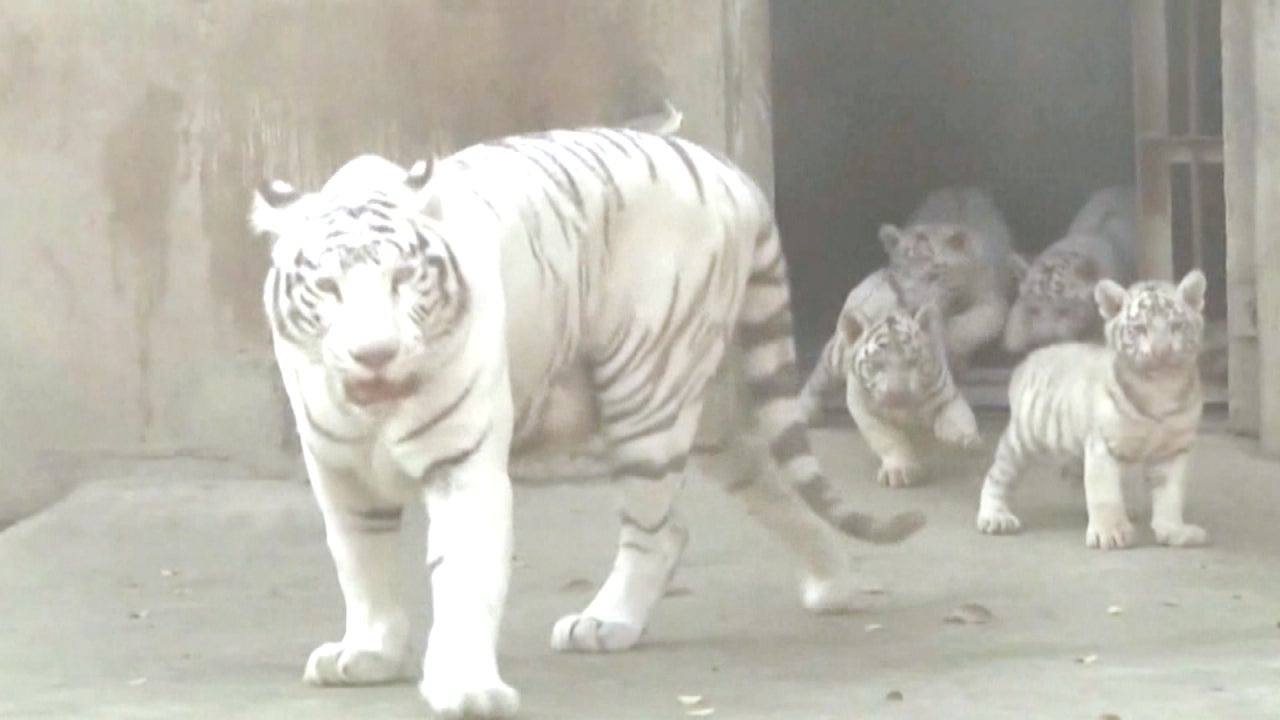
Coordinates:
1134 402
425 320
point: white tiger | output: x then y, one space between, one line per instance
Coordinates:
897 385
956 251
1055 295
422 321
1134 402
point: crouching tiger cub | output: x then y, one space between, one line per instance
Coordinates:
897 384
1055 294
1136 401
421 321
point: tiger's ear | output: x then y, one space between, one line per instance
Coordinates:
890 238
1191 289
418 181
1088 271
273 207
1019 266
928 317
958 240
1110 296
851 327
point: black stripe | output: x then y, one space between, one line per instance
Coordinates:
324 432
780 383
775 327
574 191
605 175
635 138
772 274
376 520
434 564
555 209
791 444
606 135
455 458
677 145
444 413
650 470
636 547
648 529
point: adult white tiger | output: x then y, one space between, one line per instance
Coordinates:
422 320
1135 402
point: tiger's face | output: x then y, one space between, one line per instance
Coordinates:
1055 304
930 262
360 281
896 360
1154 325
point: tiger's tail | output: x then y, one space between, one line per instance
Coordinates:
772 385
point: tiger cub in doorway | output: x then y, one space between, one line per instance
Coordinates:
1135 401
1055 294
897 384
955 251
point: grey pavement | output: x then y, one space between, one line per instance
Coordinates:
180 594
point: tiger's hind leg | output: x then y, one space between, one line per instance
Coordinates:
650 390
649 467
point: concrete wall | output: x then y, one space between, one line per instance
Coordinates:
132 132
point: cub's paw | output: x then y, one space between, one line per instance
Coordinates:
582 633
834 595
453 697
957 434
335 664
1186 535
1110 534
899 476
998 520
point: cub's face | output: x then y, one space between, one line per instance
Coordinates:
1154 325
896 360
1055 304
930 263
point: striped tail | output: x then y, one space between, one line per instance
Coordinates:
769 364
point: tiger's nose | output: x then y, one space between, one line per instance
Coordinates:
374 356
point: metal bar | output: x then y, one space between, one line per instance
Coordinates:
1193 128
1238 178
1181 150
1266 218
1151 119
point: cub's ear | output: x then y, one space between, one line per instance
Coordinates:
1019 266
1191 289
851 327
1110 296
957 241
890 238
273 207
928 317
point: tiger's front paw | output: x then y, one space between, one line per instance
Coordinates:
1184 535
1109 533
456 697
460 680
896 475
337 664
996 519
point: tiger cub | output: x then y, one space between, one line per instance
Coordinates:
897 385
1136 401
955 251
1055 295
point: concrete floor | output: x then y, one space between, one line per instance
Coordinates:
177 594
